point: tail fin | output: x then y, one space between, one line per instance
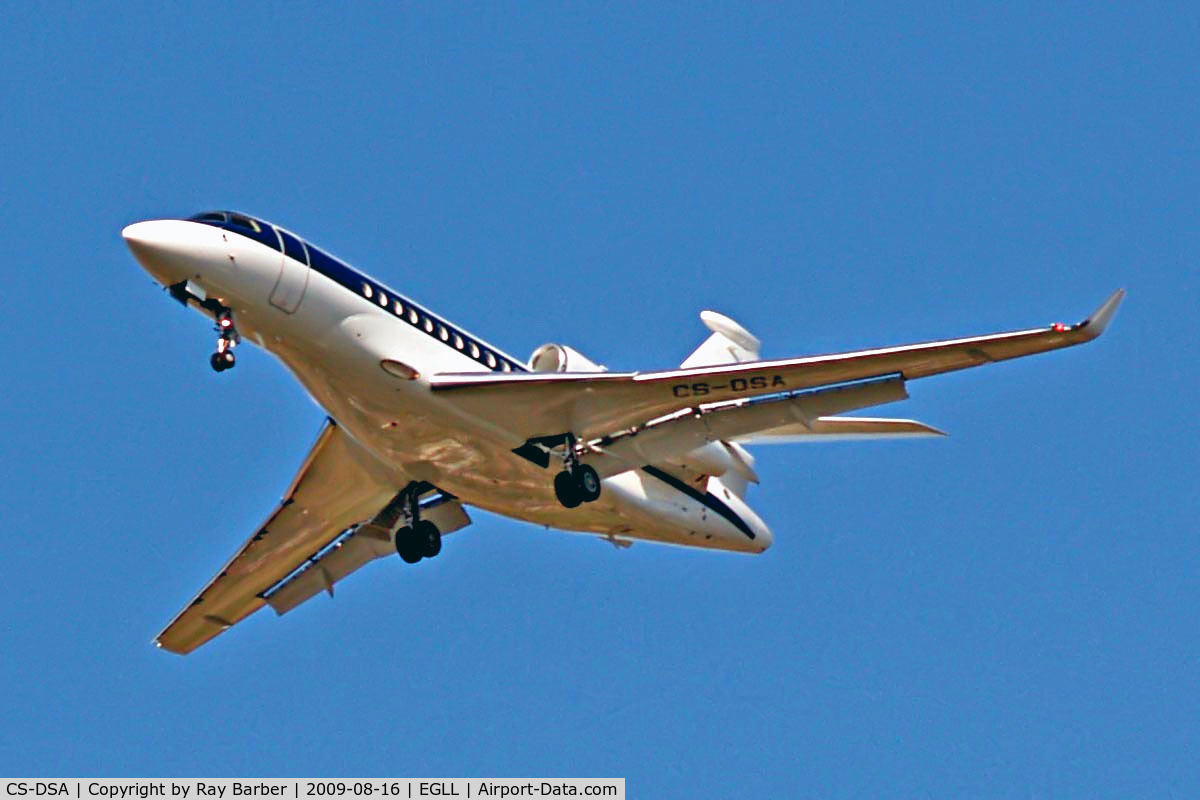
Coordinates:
730 343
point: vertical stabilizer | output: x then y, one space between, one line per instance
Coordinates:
730 343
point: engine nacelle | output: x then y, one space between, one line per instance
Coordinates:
560 358
709 459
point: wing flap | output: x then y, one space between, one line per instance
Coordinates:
332 491
659 440
339 560
834 429
355 550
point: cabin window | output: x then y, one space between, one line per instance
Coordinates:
367 290
428 325
443 334
383 300
491 360
474 350
507 367
398 307
458 342
413 316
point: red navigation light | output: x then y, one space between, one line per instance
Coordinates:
1058 327
226 322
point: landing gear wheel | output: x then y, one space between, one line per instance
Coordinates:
567 490
222 360
227 339
408 545
588 483
428 538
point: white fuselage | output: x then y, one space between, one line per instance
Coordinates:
337 330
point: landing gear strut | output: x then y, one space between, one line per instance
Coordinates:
577 483
417 538
227 339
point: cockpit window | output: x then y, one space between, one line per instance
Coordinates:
293 247
244 222
245 226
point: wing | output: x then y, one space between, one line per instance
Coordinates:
332 491
532 405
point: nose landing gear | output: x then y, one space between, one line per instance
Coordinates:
222 360
228 338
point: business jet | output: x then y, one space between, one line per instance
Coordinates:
426 418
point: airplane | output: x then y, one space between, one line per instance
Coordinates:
426 418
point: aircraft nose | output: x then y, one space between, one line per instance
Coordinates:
169 249
148 239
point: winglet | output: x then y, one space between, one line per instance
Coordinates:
1098 321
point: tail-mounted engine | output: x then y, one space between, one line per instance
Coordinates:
560 358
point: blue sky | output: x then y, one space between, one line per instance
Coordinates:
1007 612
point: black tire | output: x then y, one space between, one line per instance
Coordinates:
217 363
229 359
566 490
407 545
588 483
428 538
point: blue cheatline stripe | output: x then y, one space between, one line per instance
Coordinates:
353 280
706 498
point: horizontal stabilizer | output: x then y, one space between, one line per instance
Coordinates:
837 429
677 438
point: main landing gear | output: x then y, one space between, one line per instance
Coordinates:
417 538
227 339
577 483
